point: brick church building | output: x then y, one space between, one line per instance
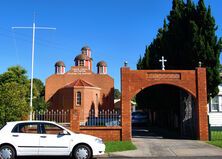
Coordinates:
80 87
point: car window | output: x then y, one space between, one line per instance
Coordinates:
26 128
51 129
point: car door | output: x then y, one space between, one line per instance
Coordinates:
26 138
53 141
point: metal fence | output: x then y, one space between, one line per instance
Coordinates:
59 116
215 132
103 118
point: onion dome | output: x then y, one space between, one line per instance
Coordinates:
85 48
82 57
60 63
101 64
59 67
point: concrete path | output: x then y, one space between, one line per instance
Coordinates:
169 147
152 145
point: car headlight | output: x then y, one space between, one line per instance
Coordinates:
99 141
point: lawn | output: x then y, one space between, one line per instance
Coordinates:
216 138
115 146
217 143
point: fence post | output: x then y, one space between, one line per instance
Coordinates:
209 127
74 120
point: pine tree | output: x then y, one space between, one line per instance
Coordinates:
185 39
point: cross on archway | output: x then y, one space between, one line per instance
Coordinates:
163 61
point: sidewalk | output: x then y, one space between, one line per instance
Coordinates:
147 147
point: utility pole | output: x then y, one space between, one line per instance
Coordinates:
33 53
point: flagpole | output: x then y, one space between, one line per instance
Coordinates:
33 57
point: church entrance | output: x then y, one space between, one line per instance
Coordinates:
183 112
164 111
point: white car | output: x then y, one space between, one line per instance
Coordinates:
44 138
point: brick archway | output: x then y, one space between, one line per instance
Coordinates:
192 81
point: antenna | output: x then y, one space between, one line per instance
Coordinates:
33 53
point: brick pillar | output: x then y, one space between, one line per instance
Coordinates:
202 119
125 105
74 120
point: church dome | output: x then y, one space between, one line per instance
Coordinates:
85 48
60 63
101 64
82 57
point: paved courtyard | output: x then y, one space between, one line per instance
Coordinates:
154 146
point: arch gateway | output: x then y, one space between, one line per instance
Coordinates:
191 81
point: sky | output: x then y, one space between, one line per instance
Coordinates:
115 30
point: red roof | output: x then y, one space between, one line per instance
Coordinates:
80 82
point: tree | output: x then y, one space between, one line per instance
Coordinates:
38 88
15 74
220 68
117 94
15 95
13 102
187 38
39 104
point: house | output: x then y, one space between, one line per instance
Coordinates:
215 108
80 86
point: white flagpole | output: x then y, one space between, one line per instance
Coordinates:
33 55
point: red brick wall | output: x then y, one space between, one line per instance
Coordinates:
201 104
192 81
106 133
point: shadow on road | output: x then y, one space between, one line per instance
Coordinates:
153 133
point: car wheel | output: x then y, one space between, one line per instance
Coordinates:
7 152
82 152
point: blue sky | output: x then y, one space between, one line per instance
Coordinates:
115 30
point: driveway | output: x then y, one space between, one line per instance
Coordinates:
153 145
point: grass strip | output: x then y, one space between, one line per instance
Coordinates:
217 143
114 146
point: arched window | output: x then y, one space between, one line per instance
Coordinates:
78 98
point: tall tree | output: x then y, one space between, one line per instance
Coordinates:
187 38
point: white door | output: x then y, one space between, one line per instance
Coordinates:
26 138
53 141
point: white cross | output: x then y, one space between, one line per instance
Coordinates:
163 60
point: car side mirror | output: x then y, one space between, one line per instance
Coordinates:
64 132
